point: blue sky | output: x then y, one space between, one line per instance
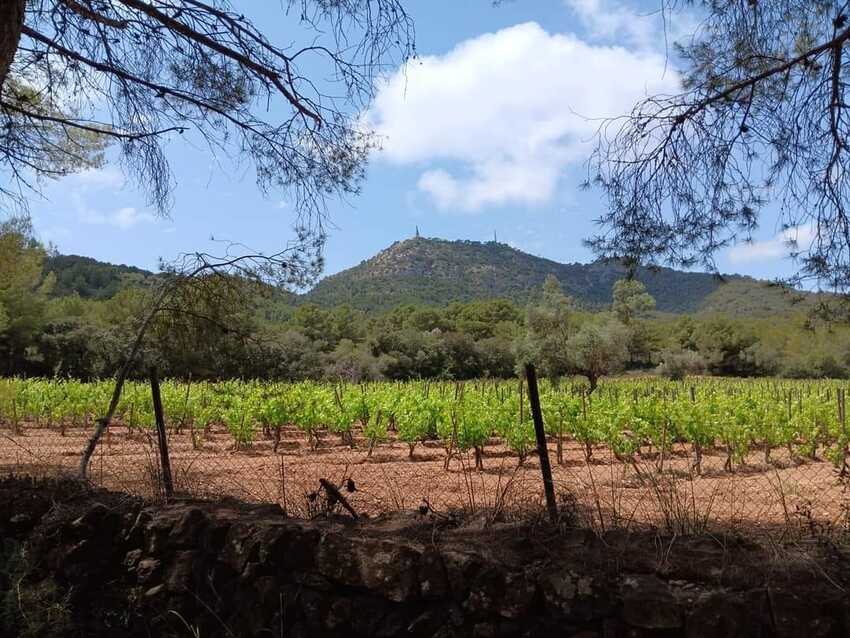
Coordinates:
487 132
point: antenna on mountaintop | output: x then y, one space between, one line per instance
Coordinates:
417 232
495 239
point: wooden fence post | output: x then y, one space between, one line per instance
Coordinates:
842 419
542 448
161 435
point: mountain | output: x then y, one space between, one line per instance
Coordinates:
90 278
437 272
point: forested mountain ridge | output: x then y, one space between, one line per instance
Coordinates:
71 317
90 278
438 272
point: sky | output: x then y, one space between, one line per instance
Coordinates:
486 132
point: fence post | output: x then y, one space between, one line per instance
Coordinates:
542 448
842 418
161 436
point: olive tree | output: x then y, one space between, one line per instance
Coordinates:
598 349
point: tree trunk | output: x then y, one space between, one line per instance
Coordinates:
11 22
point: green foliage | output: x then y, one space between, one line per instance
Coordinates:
224 328
598 349
30 609
733 416
436 272
631 301
92 279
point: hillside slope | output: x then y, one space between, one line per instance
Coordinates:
90 278
437 272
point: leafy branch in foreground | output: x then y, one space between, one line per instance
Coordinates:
137 73
762 116
201 289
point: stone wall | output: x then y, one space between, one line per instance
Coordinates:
226 569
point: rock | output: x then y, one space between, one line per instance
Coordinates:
559 591
91 519
135 534
479 603
252 572
240 547
519 592
433 582
313 607
131 559
214 536
188 528
461 569
392 625
82 552
20 522
648 603
725 614
390 568
797 613
512 629
387 567
289 546
157 534
181 573
426 624
147 570
154 592
484 630
366 615
339 614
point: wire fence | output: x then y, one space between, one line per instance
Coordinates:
784 496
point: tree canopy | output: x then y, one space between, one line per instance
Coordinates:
762 116
76 74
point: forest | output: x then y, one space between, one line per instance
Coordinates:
227 328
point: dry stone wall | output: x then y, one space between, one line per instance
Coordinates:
226 569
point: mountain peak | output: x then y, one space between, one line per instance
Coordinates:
435 271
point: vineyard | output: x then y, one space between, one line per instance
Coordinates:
648 451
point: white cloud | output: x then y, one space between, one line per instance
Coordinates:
795 239
608 20
652 28
123 218
498 119
97 179
95 182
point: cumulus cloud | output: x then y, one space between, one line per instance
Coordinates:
645 28
96 179
89 182
497 120
123 218
795 239
608 20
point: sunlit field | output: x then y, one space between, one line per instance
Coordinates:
681 455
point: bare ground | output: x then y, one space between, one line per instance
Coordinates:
787 494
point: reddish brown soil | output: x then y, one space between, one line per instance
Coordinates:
787 494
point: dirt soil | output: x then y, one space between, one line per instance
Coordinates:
785 495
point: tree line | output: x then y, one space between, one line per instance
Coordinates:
228 328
